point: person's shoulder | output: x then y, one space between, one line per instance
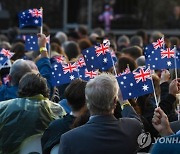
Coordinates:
58 122
76 131
131 122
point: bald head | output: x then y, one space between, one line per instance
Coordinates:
19 68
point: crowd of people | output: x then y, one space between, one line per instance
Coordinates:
85 116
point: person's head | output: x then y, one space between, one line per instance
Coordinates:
19 68
143 34
140 61
32 84
134 52
5 45
99 31
71 49
122 42
93 38
56 48
136 40
3 38
155 36
102 94
75 94
82 31
125 61
84 43
61 36
19 50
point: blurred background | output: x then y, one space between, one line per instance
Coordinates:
112 15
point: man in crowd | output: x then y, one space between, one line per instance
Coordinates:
103 133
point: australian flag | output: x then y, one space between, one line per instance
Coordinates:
5 55
86 75
161 58
98 57
30 17
136 83
63 73
31 43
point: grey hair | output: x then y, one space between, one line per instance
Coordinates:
19 68
61 36
100 93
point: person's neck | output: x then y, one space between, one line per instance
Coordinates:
102 114
77 113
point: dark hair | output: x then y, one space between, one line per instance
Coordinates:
125 61
71 49
83 30
134 51
84 44
56 41
75 94
32 84
19 50
136 40
56 47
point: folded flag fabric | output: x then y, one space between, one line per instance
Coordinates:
58 59
126 71
30 17
31 42
98 57
161 58
63 73
136 83
159 43
5 55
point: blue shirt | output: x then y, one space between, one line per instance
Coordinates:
8 92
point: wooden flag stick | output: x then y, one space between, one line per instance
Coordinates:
41 28
155 97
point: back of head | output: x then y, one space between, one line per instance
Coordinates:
32 84
71 49
75 94
84 44
101 94
61 36
143 34
136 40
5 45
99 31
56 48
19 68
155 36
123 40
19 50
134 52
140 61
125 61
83 31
